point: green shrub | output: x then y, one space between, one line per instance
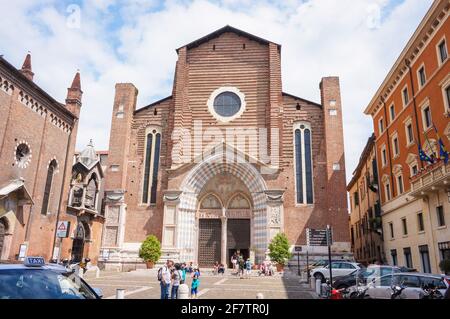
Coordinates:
150 249
445 266
279 249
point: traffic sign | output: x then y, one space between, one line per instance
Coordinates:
319 237
62 229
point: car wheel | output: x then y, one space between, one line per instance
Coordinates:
319 276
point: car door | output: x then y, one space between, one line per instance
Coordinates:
346 268
381 288
413 289
335 268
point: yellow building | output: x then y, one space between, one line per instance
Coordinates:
365 217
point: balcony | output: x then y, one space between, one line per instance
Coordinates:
430 179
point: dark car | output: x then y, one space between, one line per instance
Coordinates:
36 280
363 274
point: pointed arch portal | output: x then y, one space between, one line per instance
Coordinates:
241 219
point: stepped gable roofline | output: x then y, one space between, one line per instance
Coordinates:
44 95
222 30
153 104
302 99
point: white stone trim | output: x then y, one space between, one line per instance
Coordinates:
232 89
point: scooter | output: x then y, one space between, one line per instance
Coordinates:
431 292
397 291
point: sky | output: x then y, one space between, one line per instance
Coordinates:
116 41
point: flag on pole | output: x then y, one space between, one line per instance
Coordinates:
443 153
424 157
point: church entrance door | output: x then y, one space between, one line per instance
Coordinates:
209 242
238 238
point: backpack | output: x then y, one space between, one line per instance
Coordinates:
160 270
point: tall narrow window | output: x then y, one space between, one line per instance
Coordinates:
440 216
148 156
392 112
48 187
422 76
303 164
155 169
151 166
409 133
405 96
298 166
427 121
443 54
308 166
400 184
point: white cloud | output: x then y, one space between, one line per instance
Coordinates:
124 41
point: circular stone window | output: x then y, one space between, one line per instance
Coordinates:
226 104
22 155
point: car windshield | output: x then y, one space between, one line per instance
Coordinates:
42 284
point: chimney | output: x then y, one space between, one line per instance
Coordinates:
26 67
74 95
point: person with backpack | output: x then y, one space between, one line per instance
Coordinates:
164 278
176 280
195 283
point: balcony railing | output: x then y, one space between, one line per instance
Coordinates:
431 177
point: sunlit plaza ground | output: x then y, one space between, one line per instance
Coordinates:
142 284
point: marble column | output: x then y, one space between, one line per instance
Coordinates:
224 241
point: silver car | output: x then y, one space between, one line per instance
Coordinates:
381 288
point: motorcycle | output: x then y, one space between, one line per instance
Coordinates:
431 292
397 291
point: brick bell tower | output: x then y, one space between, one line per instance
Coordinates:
116 177
337 215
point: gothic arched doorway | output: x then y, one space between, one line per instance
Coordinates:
78 243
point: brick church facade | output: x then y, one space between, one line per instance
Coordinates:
226 162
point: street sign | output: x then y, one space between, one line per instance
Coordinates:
317 237
62 229
298 249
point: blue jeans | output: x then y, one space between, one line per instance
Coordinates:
164 290
174 293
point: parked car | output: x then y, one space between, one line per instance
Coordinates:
324 262
412 282
34 279
338 268
364 275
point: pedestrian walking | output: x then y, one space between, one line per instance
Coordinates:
195 283
183 273
164 278
248 267
234 261
241 266
176 279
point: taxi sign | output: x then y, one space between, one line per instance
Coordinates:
34 261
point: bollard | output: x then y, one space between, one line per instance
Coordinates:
120 293
183 291
318 286
259 296
97 273
312 283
